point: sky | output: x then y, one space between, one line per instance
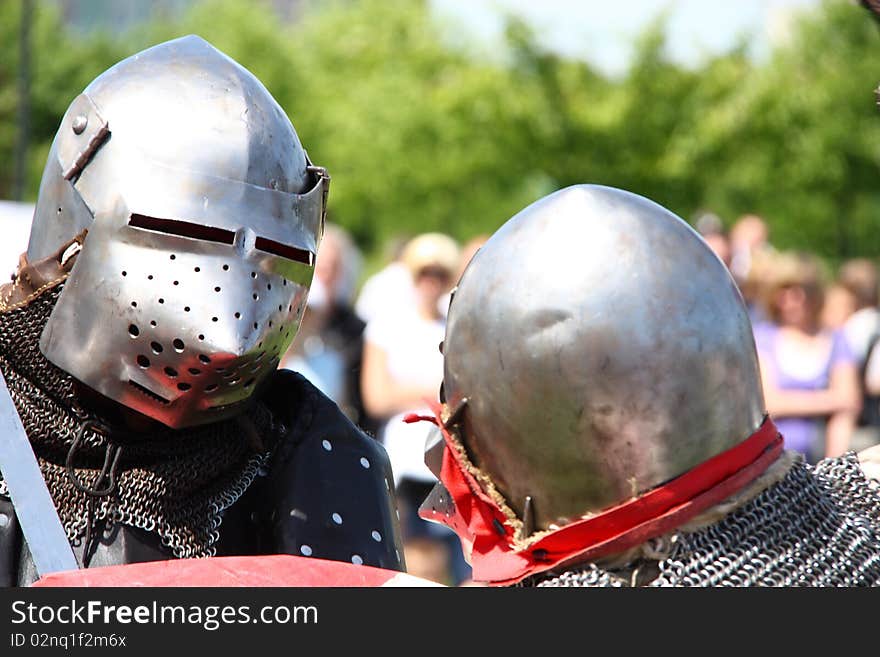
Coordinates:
603 31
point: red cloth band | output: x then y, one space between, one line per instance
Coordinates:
479 519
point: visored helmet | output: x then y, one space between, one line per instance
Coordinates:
203 216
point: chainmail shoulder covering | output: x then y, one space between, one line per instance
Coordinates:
819 526
175 484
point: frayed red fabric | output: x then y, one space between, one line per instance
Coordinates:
480 521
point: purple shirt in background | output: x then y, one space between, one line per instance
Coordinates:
800 433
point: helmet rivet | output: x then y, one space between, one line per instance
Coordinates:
80 123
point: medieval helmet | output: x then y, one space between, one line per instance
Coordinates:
202 214
595 349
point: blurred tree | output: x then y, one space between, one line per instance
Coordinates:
422 129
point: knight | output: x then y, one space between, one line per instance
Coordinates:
603 422
170 257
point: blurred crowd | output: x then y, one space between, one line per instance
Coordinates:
815 332
375 350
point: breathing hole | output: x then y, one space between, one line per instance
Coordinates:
211 387
134 304
201 336
214 319
204 359
253 274
173 257
153 323
125 273
156 347
186 309
217 289
178 344
197 269
183 387
237 315
161 300
149 277
194 371
170 371
133 330
256 325
143 361
256 297
225 267
176 283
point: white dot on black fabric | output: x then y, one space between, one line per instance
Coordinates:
326 444
306 550
376 536
365 462
337 518
357 560
4 519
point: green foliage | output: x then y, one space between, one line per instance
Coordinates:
420 132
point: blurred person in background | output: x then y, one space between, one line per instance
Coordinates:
468 251
402 371
809 374
838 306
329 346
747 235
388 291
862 331
711 229
749 246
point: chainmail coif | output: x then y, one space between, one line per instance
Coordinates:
174 483
819 526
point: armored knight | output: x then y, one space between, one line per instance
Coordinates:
171 253
603 422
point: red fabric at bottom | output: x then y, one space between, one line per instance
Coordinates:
481 523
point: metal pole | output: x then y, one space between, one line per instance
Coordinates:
24 109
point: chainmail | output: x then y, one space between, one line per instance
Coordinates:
174 483
819 526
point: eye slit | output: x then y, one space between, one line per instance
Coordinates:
285 251
182 229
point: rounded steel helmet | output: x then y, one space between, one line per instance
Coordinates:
203 216
602 349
